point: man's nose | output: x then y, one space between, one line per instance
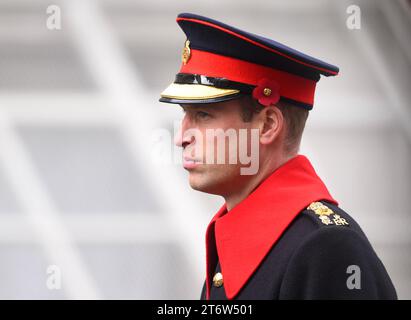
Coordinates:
181 138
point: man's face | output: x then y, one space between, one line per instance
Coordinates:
211 141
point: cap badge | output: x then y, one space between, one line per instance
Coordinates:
186 52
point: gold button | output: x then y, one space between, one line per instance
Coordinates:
267 92
218 280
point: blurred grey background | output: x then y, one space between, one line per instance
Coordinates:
81 184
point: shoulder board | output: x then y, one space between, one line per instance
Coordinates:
324 215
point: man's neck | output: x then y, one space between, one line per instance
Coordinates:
266 169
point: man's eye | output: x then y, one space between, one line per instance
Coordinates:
202 115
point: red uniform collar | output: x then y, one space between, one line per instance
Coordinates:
243 236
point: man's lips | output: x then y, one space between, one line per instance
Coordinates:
189 163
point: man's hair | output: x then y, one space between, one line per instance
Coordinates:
295 118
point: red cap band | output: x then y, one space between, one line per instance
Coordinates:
213 65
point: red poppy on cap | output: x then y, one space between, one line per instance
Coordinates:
267 92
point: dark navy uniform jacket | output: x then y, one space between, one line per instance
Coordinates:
321 254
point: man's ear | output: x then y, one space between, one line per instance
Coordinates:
271 124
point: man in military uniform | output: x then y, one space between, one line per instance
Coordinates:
280 233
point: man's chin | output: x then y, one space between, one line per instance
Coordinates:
198 184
